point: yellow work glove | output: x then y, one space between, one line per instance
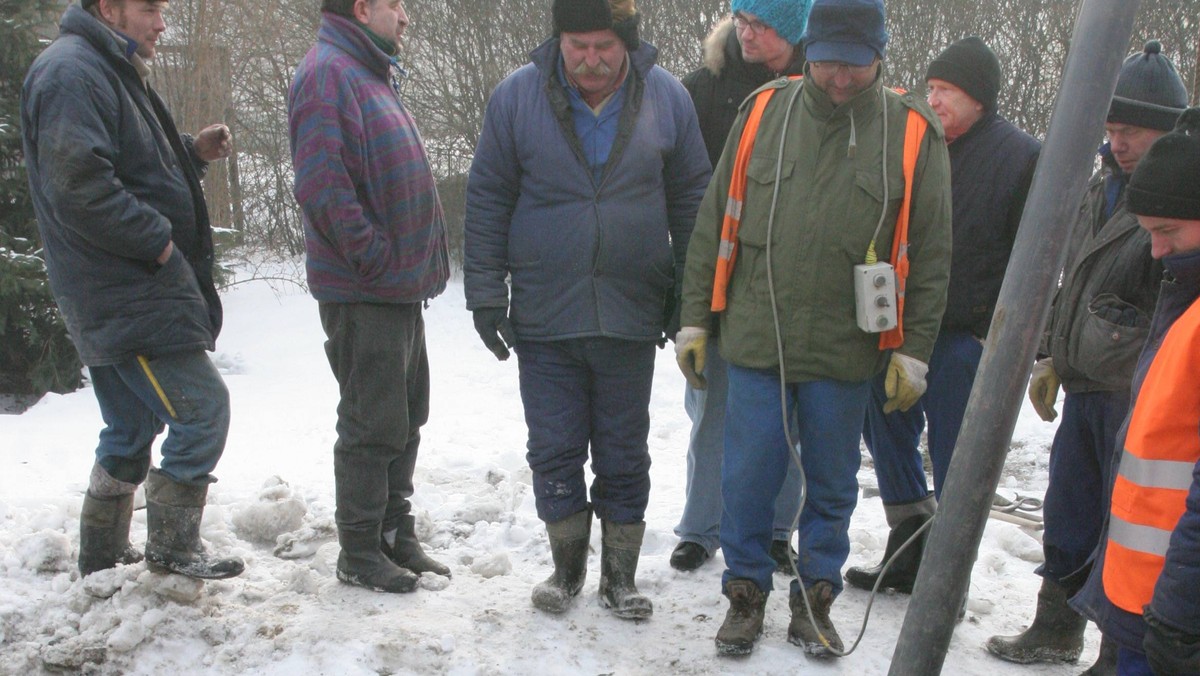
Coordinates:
904 383
1043 389
690 345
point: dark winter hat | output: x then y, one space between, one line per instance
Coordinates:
1165 183
789 18
1149 91
971 66
850 31
585 16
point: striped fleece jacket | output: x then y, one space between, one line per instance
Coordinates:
373 224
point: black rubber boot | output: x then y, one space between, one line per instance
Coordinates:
819 638
744 620
688 556
173 512
104 533
621 545
1106 661
569 540
407 551
903 572
1056 635
360 484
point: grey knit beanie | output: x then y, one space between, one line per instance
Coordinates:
1149 91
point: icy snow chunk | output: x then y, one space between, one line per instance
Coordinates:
45 551
492 565
177 588
103 584
305 541
72 654
229 364
432 582
127 636
277 511
484 509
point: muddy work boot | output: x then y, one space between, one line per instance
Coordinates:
569 541
104 533
173 512
1056 635
405 549
744 620
821 639
621 544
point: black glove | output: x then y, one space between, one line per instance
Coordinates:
492 325
1169 650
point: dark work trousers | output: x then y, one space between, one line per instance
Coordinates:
377 353
581 394
1081 461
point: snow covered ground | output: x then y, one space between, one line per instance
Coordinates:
274 506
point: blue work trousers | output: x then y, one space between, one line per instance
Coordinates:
702 507
586 394
138 397
828 416
894 438
1081 461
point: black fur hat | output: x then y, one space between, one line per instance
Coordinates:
585 16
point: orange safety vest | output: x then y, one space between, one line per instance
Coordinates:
1162 446
914 132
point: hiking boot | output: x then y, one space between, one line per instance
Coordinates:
820 640
783 555
903 572
744 621
1056 635
688 556
569 547
620 547
173 512
104 533
406 550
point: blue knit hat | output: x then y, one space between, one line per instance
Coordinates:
850 31
788 17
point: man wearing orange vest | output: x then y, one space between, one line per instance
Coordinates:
819 175
1144 589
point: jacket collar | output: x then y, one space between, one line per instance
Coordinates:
114 46
722 51
1185 268
341 33
988 120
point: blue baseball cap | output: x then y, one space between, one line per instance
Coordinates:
849 31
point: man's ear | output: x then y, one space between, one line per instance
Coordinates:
360 10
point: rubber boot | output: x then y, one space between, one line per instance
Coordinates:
173 512
1055 636
406 551
104 533
819 638
569 540
621 544
744 620
1106 661
904 521
360 484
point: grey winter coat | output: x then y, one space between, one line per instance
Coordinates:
113 182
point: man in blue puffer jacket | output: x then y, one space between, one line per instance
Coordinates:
128 246
584 188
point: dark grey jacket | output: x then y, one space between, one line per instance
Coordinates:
586 257
113 182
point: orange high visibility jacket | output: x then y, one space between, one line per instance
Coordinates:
1162 447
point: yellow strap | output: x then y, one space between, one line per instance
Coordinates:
157 388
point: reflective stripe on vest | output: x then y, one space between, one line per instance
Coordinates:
1162 447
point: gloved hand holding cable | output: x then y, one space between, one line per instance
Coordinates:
691 344
1043 389
904 383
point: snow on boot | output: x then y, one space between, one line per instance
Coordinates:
819 638
1106 661
621 545
406 551
569 540
363 564
104 533
904 520
173 512
744 620
1056 634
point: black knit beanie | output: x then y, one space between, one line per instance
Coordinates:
585 16
972 67
1149 91
1166 182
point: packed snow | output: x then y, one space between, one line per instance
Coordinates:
273 506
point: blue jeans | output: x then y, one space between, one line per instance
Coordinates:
828 416
894 439
139 397
588 394
1081 460
701 519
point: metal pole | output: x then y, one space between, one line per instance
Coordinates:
1098 44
